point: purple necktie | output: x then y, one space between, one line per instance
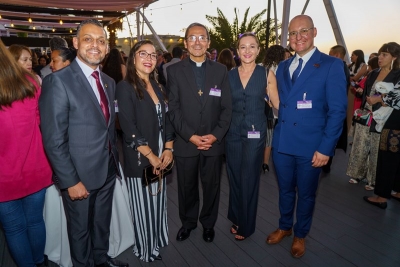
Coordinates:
103 98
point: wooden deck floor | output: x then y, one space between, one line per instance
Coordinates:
345 231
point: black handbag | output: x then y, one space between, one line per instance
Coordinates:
149 177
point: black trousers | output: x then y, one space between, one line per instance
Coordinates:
188 189
387 173
88 222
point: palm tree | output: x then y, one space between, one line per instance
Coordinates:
224 34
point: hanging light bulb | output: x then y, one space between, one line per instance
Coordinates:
34 27
61 22
0 17
121 20
70 30
12 24
30 19
53 30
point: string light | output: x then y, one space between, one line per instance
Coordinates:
34 27
121 20
53 30
30 19
0 17
12 24
70 30
61 22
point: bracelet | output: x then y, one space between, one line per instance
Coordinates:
148 153
170 149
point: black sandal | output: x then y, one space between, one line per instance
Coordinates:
234 229
239 239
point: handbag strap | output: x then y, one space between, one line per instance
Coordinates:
160 177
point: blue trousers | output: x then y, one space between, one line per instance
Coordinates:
297 180
24 228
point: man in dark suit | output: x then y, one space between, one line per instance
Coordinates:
200 110
78 128
312 94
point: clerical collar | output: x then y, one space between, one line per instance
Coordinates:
197 64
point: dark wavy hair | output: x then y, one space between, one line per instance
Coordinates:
112 65
225 57
393 49
66 53
132 76
273 55
360 59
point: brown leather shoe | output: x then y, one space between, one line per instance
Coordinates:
298 247
276 236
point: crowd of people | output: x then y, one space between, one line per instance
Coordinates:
191 109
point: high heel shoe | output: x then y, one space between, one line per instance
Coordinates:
265 167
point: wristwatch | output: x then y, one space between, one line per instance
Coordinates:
170 149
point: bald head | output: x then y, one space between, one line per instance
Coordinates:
301 34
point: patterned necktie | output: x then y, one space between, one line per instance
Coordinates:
103 98
297 71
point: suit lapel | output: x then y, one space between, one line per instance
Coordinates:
86 85
311 66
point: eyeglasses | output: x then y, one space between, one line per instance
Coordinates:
193 38
302 32
145 55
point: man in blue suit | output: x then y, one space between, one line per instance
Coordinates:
313 103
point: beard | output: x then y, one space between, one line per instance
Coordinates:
90 59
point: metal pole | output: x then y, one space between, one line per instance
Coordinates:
285 22
305 7
267 33
276 24
151 29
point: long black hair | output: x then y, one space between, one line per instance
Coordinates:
132 76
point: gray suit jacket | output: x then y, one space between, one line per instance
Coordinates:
75 134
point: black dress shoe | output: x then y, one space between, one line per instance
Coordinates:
208 235
113 263
158 258
382 205
183 233
265 167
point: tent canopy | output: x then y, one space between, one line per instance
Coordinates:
47 14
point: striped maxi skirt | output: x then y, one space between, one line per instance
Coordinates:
149 218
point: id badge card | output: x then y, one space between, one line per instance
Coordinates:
304 104
116 106
215 92
253 134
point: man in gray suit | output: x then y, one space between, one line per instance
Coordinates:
78 128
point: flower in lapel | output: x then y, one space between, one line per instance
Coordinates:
106 85
316 65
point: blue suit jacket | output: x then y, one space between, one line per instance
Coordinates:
301 132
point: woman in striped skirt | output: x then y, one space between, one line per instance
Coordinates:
147 140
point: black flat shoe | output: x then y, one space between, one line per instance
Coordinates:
183 233
158 258
265 167
382 205
239 239
208 235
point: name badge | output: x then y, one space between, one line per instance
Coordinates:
116 106
215 92
253 134
304 104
